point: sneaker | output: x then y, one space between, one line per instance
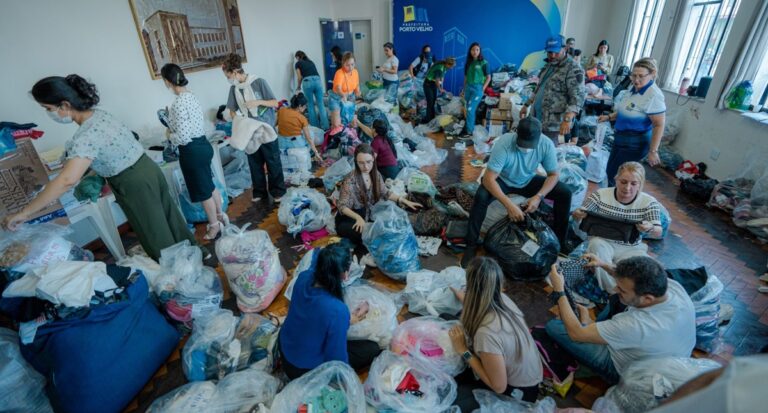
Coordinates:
764 277
277 199
469 254
763 288
256 199
726 313
368 261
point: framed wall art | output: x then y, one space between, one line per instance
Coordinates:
194 34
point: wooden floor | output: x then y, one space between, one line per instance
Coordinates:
698 236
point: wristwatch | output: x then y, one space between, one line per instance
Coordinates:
467 355
555 296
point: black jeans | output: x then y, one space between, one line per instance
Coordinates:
344 226
560 194
361 354
430 92
466 383
268 154
389 171
627 147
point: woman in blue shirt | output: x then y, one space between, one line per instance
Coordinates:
315 330
639 116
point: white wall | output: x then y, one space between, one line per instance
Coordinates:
590 21
98 40
379 11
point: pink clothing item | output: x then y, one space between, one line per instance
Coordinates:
307 237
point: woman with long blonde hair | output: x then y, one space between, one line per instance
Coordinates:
503 354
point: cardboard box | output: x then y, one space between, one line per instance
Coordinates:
505 101
497 128
500 114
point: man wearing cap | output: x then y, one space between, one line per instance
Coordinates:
512 170
560 94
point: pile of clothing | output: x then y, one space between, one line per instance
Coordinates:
406 383
391 241
340 142
252 266
430 293
237 173
332 387
304 209
427 337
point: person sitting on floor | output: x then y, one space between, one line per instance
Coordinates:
360 190
505 355
315 330
626 203
293 128
660 320
512 170
386 153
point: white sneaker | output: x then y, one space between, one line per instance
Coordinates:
726 313
256 199
368 261
763 277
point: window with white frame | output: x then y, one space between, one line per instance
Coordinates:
643 28
760 86
706 30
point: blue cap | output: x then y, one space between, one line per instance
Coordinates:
555 44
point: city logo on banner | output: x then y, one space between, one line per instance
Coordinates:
415 20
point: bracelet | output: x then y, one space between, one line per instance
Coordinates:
654 151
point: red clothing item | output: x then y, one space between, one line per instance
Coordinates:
384 155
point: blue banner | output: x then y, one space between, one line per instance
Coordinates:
509 31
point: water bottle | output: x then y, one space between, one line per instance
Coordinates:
740 96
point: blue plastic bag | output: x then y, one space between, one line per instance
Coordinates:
391 241
7 143
194 212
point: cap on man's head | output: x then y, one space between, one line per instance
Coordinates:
528 132
555 44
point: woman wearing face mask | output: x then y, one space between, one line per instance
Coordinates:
476 79
360 190
388 72
626 203
185 122
253 97
293 127
105 145
346 87
309 82
422 63
639 119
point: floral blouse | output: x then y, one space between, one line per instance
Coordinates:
107 142
351 195
185 117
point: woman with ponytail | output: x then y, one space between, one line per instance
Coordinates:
187 132
105 145
293 127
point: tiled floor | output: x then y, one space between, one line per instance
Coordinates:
698 236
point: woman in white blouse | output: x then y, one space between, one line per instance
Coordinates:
185 121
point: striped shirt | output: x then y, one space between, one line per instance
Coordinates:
643 208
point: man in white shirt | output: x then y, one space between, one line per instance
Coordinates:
660 320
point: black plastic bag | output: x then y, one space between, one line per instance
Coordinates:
525 250
698 187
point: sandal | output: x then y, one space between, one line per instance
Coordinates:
209 228
223 218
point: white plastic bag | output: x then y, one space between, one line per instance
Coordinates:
454 107
427 336
252 266
238 392
429 293
333 383
304 209
318 135
336 172
647 382
417 181
706 302
480 138
22 388
491 402
212 339
381 319
596 164
389 370
391 241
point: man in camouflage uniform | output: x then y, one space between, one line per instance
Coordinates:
560 93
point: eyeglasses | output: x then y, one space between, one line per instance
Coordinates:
636 77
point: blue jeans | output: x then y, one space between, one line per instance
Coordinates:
595 356
390 86
290 142
312 87
627 147
472 96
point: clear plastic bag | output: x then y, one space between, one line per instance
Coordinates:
407 384
647 382
295 160
22 388
429 293
491 402
318 135
391 241
706 302
33 245
427 336
252 266
149 267
417 181
238 392
330 387
480 138
304 209
336 172
571 154
381 319
596 164
211 352
575 179
454 107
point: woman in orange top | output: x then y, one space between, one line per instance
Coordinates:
346 82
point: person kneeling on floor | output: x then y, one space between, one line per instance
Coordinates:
512 170
659 320
386 153
617 217
315 330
